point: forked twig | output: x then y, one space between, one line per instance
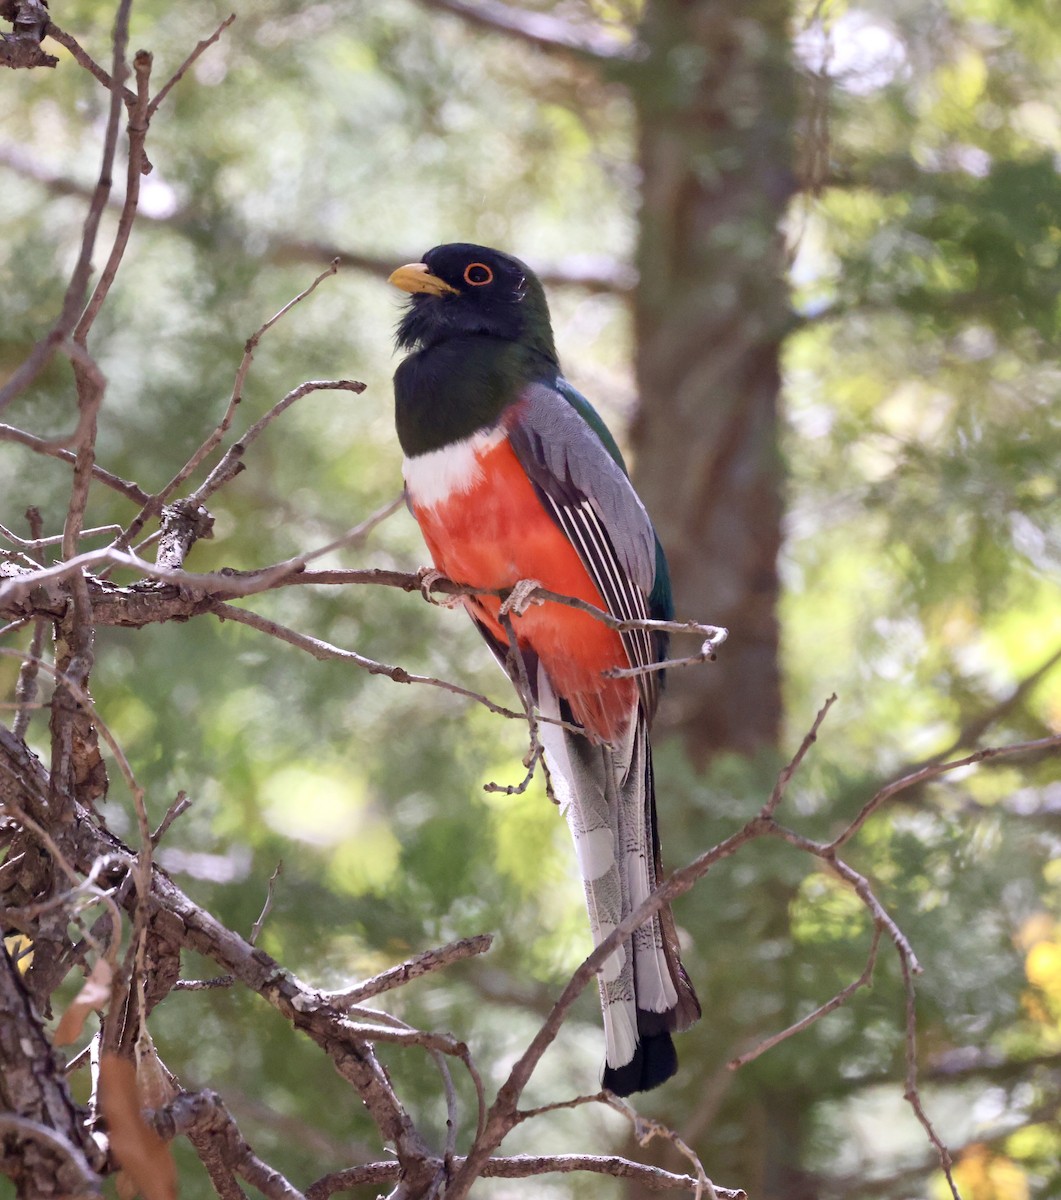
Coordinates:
645 1130
841 997
180 72
413 968
153 506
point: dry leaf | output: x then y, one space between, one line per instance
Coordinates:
95 993
140 1152
153 1080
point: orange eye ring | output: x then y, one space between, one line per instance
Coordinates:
478 274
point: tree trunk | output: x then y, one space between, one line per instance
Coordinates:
715 104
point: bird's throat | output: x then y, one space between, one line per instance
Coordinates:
449 391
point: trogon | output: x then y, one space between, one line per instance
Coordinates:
512 475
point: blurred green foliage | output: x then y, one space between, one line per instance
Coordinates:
921 568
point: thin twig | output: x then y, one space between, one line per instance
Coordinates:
912 1094
132 491
137 128
646 1130
153 505
712 633
231 464
926 773
527 1114
13 590
413 968
526 1166
786 774
84 59
180 805
26 686
73 299
707 654
517 670
256 929
179 74
38 543
204 985
841 997
323 651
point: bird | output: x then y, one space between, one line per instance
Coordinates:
515 481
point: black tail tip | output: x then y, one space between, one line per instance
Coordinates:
655 1061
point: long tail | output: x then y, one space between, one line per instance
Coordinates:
606 792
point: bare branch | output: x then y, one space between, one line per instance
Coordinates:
646 1130
136 167
527 1114
977 726
84 59
8 433
527 1166
933 771
231 464
256 929
153 505
323 651
413 968
26 687
841 997
204 1115
912 1094
517 670
39 543
42 352
811 737
204 985
23 1127
540 29
180 72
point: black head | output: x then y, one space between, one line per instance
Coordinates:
461 289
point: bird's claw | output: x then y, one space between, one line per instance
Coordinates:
521 597
427 577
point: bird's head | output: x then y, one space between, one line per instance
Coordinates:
461 289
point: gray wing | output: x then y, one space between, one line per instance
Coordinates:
593 501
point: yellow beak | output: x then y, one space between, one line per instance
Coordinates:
415 277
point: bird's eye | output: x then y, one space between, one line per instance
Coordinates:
478 274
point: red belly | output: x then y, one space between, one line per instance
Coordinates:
499 533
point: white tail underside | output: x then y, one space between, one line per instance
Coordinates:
601 792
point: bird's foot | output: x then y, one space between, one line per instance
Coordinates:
521 597
427 577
